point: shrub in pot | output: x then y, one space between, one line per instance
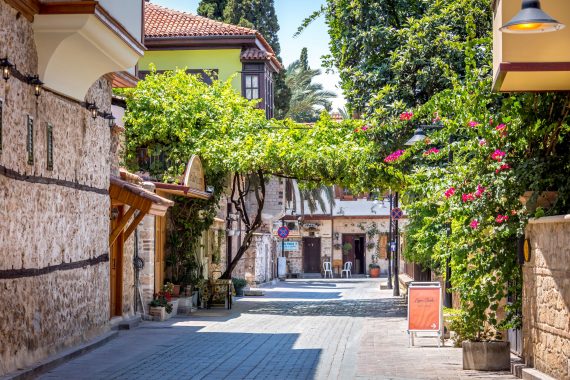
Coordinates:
374 270
239 285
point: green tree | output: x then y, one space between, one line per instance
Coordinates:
177 115
213 9
308 98
259 15
394 54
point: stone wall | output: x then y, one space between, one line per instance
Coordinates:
546 297
54 223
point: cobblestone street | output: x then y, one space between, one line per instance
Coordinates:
323 329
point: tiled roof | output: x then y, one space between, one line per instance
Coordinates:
255 54
164 22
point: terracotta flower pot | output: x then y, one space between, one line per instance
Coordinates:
374 272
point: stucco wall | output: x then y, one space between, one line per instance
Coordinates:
226 61
546 297
50 220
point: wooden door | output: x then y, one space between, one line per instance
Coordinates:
116 270
312 255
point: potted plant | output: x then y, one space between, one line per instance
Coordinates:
346 247
483 348
374 268
162 307
239 285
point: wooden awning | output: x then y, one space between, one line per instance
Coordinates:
192 184
140 201
181 190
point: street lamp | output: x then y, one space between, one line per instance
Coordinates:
419 135
531 19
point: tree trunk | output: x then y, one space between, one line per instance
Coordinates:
241 187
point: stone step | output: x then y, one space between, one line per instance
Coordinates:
253 292
533 374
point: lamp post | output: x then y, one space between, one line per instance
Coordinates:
531 19
395 242
419 135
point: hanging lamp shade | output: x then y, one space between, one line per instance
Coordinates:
531 19
419 135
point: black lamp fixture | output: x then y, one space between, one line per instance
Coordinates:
35 81
419 135
6 67
110 118
531 19
92 107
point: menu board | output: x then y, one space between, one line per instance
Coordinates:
424 308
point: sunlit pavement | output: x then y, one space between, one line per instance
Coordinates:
300 329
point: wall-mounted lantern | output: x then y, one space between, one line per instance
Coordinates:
531 19
6 67
92 107
110 118
35 81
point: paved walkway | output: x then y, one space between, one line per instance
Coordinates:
301 329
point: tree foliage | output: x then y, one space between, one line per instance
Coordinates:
174 115
308 98
393 54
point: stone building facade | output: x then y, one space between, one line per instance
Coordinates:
55 162
546 296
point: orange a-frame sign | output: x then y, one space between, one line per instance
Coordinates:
425 313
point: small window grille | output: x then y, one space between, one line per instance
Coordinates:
30 141
49 150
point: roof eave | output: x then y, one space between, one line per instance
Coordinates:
161 43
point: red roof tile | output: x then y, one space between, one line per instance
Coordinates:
164 22
255 54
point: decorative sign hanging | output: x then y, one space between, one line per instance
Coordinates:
283 232
425 312
397 213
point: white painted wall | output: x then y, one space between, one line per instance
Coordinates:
128 13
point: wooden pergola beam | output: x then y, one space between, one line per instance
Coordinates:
122 223
134 224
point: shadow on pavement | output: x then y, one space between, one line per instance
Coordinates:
383 308
222 355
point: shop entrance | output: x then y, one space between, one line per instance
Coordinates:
353 251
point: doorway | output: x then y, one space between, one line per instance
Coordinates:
356 253
311 255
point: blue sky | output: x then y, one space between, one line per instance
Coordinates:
290 14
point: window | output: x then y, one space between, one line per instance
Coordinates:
30 141
251 86
49 147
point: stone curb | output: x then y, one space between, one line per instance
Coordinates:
50 363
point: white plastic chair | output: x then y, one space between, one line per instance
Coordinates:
347 268
327 266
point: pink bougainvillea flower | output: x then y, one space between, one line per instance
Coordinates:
449 192
501 218
467 197
482 142
473 124
436 117
498 155
503 167
394 156
474 224
490 121
364 128
480 191
404 116
431 151
500 127
513 212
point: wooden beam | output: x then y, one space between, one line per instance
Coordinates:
134 224
28 8
122 223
